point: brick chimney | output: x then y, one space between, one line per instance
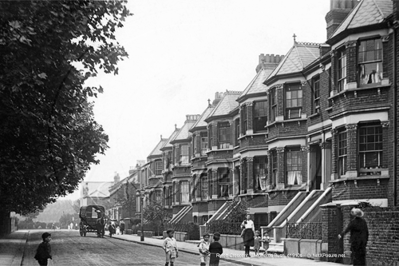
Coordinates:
339 10
218 97
268 61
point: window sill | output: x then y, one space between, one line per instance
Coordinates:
314 115
367 177
287 121
361 88
253 134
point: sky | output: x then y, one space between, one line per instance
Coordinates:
180 53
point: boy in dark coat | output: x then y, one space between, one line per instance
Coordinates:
216 249
359 237
43 252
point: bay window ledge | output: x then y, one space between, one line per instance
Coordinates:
354 87
298 120
365 177
253 134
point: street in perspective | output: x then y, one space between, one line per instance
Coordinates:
199 132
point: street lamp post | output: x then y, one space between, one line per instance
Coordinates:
141 212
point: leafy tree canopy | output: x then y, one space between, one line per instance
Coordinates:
48 134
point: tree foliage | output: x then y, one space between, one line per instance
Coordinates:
155 213
48 134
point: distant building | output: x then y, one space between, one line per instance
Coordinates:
95 193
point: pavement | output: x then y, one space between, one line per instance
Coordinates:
232 255
12 249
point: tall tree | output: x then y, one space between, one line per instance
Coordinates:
48 135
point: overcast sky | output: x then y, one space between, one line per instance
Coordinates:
180 53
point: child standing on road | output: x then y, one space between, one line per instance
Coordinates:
204 250
43 252
257 242
216 249
170 247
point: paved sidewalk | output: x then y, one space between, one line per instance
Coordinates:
12 248
232 255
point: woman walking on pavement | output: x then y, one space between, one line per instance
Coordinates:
248 233
359 237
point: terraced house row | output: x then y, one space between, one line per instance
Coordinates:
315 128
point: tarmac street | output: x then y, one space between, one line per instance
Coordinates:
69 248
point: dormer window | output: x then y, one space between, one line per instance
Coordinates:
370 61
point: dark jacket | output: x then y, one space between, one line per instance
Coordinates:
359 231
122 226
43 251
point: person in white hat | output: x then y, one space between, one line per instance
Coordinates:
359 237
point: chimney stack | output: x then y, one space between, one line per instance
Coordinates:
339 10
269 61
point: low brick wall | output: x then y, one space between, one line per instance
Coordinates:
383 225
383 244
307 248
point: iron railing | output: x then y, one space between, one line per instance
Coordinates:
224 227
304 230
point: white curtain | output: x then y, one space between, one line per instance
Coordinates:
294 178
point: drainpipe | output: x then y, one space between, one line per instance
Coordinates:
395 102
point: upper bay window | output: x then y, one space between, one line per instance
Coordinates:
260 116
184 155
316 94
244 119
204 142
237 131
293 101
341 70
273 104
370 61
158 168
224 135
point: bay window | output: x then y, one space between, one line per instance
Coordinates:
342 152
316 94
260 172
224 135
293 101
260 116
370 147
370 61
294 166
184 192
273 104
341 70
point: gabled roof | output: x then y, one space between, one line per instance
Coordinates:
256 85
95 189
157 150
201 121
184 133
298 57
226 104
366 13
172 136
